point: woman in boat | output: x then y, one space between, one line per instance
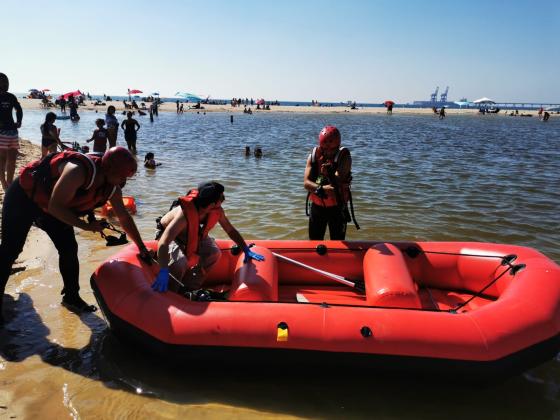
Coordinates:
184 246
53 193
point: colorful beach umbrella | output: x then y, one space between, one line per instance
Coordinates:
188 96
389 103
75 94
134 91
45 90
260 101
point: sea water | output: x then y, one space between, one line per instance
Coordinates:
465 178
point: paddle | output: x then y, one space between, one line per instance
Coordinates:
357 284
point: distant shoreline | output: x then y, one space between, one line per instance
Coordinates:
171 107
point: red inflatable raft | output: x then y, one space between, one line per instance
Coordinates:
129 204
433 304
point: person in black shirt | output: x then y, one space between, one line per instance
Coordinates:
9 137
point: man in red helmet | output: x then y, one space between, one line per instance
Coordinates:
327 180
53 193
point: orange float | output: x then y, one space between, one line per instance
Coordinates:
437 305
129 204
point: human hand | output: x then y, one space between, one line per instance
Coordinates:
162 280
96 225
146 255
250 255
18 124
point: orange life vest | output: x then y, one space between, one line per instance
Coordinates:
39 177
195 230
317 159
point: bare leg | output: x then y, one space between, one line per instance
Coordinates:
11 165
44 151
3 154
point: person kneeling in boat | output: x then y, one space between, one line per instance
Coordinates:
53 193
184 247
327 179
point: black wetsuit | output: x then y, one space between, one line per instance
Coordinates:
18 214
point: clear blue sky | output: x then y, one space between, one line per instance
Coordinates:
366 51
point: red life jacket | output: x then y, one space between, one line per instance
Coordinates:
196 232
39 177
317 159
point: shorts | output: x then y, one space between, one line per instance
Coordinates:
9 139
46 142
209 255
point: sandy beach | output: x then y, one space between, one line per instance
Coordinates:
27 103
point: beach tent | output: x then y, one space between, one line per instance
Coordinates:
484 101
461 103
75 94
188 96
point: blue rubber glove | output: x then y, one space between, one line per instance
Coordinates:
250 255
162 279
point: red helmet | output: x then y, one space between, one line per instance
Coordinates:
329 137
119 161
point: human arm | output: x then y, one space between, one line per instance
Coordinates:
171 231
19 113
72 177
126 220
310 184
92 137
238 239
137 125
55 134
123 124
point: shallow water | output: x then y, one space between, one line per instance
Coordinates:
491 178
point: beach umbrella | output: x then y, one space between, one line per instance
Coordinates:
155 93
461 103
484 101
45 90
134 91
260 101
388 103
553 108
75 94
33 90
188 96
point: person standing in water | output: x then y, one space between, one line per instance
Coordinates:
9 136
112 126
130 127
99 137
327 179
50 135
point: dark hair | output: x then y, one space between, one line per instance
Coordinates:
148 156
50 117
100 121
208 193
111 108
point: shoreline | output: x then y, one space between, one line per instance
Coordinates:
27 103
